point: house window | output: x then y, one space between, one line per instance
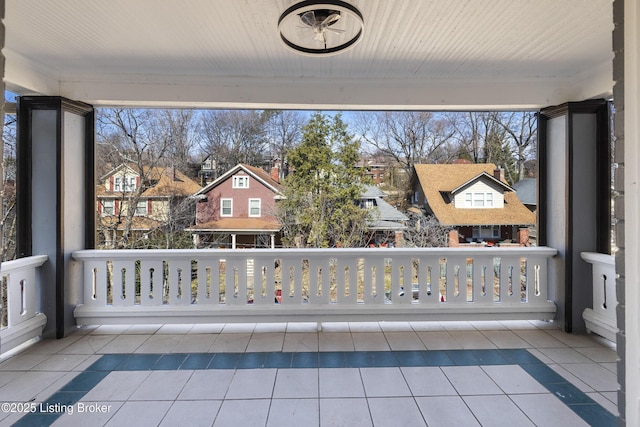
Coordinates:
141 208
486 232
107 207
129 184
367 203
226 207
240 182
478 200
124 183
254 207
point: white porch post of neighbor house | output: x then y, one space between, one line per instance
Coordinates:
574 200
233 241
272 238
56 199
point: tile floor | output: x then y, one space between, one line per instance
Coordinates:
516 373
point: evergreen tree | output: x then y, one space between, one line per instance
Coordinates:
321 204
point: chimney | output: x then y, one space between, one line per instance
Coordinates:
275 173
498 174
454 239
523 237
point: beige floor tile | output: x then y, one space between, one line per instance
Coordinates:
146 414
124 344
266 341
61 362
384 382
162 385
369 341
195 413
438 340
340 382
335 341
555 412
159 344
470 380
245 413
446 411
294 413
230 343
472 340
395 411
404 341
487 408
300 341
207 384
505 339
512 379
352 412
252 384
296 383
428 381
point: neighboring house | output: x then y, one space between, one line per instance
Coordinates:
526 191
386 223
237 210
375 169
474 199
155 195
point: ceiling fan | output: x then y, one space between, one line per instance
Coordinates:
320 27
320 21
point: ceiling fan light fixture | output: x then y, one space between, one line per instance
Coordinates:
321 28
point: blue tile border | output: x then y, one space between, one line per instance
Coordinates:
580 403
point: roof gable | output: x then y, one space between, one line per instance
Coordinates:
482 176
122 167
257 173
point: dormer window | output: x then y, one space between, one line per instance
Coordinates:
130 183
241 181
478 200
124 183
368 203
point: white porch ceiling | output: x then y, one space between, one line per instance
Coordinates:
415 54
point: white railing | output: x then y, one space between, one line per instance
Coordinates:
601 318
20 321
261 285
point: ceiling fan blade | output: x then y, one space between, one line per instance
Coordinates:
330 20
308 18
335 30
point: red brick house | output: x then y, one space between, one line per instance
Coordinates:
237 210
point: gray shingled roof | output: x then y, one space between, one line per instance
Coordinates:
383 216
526 190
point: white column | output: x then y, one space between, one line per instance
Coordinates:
233 241
273 241
632 208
